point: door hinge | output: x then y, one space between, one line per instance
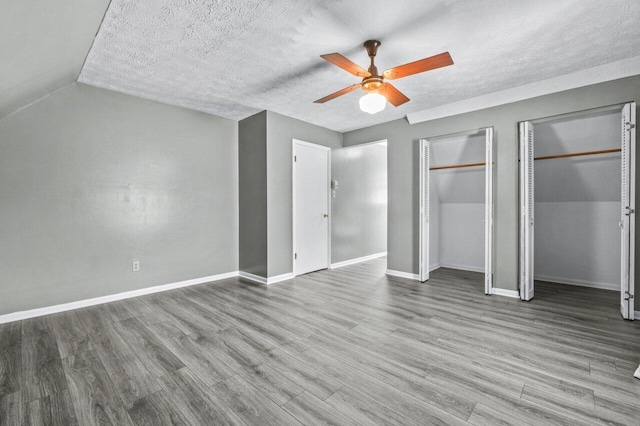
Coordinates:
629 295
630 126
295 158
629 211
295 256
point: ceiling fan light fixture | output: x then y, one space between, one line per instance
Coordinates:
372 102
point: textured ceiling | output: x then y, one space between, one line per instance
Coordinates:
234 58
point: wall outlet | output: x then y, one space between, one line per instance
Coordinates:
136 266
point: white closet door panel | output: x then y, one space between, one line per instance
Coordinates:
488 219
424 210
526 211
627 222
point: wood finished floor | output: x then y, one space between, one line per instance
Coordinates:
346 347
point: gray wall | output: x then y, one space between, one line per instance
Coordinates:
91 180
43 47
403 166
281 130
359 207
252 160
577 209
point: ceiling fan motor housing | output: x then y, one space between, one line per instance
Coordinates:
374 82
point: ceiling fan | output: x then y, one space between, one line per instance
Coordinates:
378 91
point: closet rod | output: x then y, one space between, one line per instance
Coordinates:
457 166
579 154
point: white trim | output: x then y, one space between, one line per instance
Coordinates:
579 283
637 373
434 267
463 267
266 281
607 72
403 274
311 145
508 293
16 316
357 260
358 145
252 277
295 141
282 277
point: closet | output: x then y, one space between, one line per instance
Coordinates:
576 194
456 214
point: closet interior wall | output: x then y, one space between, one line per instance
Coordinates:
457 203
577 201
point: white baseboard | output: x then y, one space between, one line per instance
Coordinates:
278 278
463 267
434 267
266 281
636 315
403 274
508 293
17 316
357 260
637 373
581 283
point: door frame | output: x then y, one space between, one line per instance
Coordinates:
295 142
489 229
590 111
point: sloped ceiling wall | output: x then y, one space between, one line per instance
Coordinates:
580 179
465 185
43 45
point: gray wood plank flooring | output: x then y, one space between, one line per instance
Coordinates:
349 346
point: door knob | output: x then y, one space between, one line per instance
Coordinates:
326 215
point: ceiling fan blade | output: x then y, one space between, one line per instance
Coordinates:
338 93
393 95
346 64
426 64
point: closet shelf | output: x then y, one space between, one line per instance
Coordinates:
579 154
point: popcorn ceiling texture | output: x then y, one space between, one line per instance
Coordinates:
234 58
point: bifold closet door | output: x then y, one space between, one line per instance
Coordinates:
526 211
627 222
424 210
488 218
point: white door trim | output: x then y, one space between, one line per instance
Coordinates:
295 142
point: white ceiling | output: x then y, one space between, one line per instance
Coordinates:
234 58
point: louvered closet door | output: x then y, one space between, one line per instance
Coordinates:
526 211
488 218
424 210
627 222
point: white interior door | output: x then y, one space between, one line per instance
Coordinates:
627 222
488 218
424 210
311 171
526 211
